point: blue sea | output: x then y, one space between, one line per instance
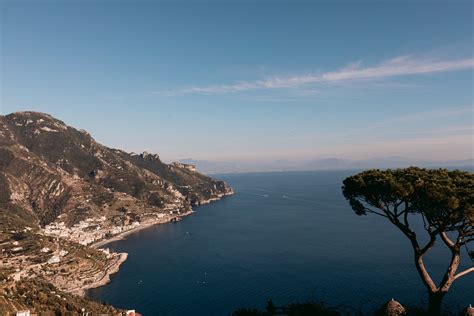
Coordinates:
282 236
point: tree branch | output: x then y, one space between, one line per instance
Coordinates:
407 232
446 240
405 218
467 271
395 209
449 276
424 222
370 210
405 229
374 212
430 244
425 276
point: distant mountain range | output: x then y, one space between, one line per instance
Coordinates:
216 167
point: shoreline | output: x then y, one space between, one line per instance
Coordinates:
122 235
113 268
123 256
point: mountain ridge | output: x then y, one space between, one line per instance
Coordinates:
63 156
62 192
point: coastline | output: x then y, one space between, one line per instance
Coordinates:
115 267
122 235
122 256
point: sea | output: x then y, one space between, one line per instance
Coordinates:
284 236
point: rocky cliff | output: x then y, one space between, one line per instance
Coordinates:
49 169
61 191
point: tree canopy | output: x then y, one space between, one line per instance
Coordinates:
445 201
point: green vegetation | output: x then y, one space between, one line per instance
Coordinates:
36 149
39 296
316 308
192 184
52 175
443 199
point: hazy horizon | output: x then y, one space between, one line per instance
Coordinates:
248 81
236 157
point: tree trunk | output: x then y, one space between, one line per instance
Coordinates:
434 303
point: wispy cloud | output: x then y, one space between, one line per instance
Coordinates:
399 66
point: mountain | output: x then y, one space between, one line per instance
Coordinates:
220 167
51 169
61 191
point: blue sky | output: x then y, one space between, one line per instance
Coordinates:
242 80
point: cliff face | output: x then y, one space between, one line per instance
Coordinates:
49 169
61 191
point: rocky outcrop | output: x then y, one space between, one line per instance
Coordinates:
468 311
184 166
392 308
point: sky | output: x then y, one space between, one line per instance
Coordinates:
248 80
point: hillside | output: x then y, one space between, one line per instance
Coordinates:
62 192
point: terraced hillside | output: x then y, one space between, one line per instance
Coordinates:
61 192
